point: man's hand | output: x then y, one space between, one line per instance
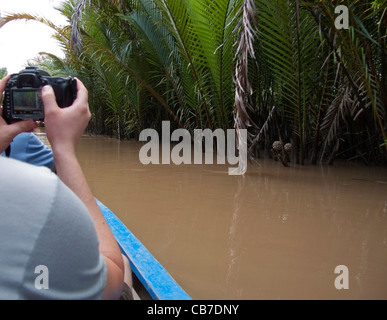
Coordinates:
8 132
65 126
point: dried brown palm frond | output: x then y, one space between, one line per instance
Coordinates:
75 36
344 109
337 112
246 29
26 16
350 108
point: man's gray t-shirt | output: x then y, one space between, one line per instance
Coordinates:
48 242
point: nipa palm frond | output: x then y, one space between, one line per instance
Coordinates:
245 51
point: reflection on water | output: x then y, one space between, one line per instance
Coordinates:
275 233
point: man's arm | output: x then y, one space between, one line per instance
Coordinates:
64 128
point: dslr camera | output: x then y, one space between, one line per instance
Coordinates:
23 94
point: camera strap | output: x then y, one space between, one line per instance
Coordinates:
8 151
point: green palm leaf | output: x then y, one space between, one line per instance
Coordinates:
290 44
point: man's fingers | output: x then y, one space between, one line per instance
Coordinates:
9 132
21 126
82 94
3 83
49 100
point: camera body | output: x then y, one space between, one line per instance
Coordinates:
23 94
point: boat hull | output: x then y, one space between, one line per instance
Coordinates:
151 281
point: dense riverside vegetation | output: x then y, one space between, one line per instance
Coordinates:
283 69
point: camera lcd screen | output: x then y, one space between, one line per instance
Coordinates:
27 100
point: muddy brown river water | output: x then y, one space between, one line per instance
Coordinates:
274 233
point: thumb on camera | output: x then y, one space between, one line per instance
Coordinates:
48 97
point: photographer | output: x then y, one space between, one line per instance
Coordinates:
54 222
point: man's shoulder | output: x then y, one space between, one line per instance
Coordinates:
23 170
43 219
26 184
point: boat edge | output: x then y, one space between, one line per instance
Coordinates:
153 276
